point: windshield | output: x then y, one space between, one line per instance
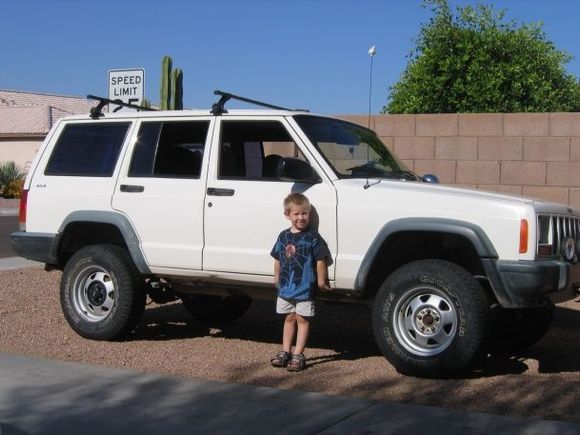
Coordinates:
352 150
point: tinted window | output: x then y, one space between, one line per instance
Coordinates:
169 149
87 149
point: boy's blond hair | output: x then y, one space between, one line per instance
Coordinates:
297 199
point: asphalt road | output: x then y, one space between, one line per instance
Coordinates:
8 224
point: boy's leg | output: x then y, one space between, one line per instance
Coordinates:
289 332
302 335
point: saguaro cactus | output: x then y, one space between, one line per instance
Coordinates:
166 82
171 86
176 97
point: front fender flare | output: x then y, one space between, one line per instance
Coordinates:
470 231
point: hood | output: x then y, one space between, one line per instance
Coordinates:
420 188
449 194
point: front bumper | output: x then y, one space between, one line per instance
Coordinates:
519 284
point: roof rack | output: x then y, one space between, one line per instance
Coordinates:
218 108
97 112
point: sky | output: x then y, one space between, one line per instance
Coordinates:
295 53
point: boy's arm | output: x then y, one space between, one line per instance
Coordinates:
276 272
322 274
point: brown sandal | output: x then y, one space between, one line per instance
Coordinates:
281 359
297 363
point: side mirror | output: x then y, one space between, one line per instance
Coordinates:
296 170
430 178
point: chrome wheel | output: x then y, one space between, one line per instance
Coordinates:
425 321
94 294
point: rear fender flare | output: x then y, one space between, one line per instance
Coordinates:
118 220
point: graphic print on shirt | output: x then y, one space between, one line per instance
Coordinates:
297 253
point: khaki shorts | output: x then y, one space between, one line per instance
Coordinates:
302 308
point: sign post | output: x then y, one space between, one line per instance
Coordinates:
127 85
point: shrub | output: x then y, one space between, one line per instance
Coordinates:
11 179
14 188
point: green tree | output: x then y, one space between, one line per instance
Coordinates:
476 61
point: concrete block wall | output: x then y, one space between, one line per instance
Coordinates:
526 154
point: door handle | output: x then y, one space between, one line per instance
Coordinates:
214 191
131 188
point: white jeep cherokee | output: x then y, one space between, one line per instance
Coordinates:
187 204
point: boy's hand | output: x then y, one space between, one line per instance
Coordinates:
322 275
276 273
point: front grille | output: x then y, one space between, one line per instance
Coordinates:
552 229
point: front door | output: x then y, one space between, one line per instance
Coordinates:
243 207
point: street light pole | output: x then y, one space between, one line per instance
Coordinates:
372 52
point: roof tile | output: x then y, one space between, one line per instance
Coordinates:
62 105
25 120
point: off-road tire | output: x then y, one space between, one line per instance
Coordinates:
212 308
102 293
430 319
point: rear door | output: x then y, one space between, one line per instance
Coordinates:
161 190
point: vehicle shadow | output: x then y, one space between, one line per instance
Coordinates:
559 349
346 331
556 352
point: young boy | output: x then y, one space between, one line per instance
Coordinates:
300 256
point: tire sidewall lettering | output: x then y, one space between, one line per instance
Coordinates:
442 285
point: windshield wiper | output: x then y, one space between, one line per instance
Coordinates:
407 175
369 169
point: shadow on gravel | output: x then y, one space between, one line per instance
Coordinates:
505 384
557 352
345 329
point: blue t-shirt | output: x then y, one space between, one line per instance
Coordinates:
297 254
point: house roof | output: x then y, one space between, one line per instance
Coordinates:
25 121
32 114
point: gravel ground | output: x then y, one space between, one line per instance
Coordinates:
542 382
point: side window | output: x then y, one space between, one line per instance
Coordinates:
172 149
251 150
87 149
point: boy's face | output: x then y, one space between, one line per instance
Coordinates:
299 216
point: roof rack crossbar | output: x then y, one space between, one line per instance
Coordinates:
219 107
97 112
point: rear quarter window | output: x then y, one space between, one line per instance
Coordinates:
89 150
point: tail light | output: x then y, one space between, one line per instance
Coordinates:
22 212
523 236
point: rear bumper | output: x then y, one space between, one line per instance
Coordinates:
519 284
35 246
